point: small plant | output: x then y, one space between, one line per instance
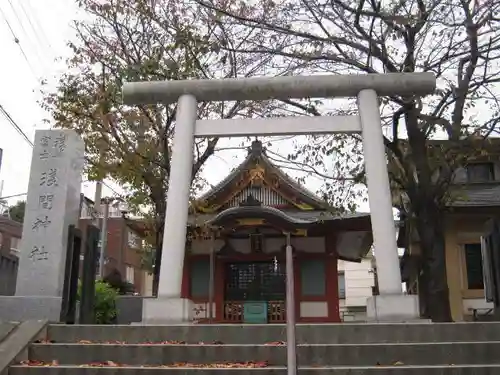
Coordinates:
104 302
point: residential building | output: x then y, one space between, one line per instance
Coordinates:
122 249
10 239
10 235
123 245
475 198
356 285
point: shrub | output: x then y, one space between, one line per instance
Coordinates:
104 302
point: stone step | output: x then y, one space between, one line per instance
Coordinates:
307 355
6 328
260 334
380 370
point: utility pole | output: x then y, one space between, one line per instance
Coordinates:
104 237
97 203
97 213
98 187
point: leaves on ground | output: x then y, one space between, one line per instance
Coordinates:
248 364
166 342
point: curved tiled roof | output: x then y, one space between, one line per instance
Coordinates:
250 212
257 152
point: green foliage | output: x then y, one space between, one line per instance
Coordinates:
104 302
148 255
140 40
16 212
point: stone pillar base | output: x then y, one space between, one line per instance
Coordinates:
164 310
393 308
21 308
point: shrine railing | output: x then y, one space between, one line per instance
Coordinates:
234 310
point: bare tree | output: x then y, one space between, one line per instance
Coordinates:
458 40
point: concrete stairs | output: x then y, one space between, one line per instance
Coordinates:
343 349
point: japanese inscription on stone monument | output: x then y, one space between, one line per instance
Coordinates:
51 147
52 205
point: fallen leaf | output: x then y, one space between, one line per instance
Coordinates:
275 343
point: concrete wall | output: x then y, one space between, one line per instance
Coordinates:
129 309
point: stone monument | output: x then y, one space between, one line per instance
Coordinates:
53 203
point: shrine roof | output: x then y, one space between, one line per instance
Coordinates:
258 170
299 216
253 213
354 229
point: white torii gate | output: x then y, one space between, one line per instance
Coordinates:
391 304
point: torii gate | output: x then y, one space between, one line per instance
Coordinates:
391 304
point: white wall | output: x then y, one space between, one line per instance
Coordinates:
359 280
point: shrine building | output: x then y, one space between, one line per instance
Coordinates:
235 257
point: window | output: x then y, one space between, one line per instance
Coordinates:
15 243
474 266
129 274
480 172
313 278
341 285
133 239
200 278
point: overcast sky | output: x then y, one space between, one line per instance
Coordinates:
42 32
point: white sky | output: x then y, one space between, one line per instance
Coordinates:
42 32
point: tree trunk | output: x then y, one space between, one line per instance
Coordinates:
159 227
157 264
430 227
429 220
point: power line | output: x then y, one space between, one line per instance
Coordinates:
110 188
35 45
16 40
42 32
14 125
13 196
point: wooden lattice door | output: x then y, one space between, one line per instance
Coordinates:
255 281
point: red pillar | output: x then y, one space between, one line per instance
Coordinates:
219 290
296 285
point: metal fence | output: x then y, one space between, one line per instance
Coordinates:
8 274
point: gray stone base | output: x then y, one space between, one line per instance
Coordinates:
21 308
393 308
163 310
